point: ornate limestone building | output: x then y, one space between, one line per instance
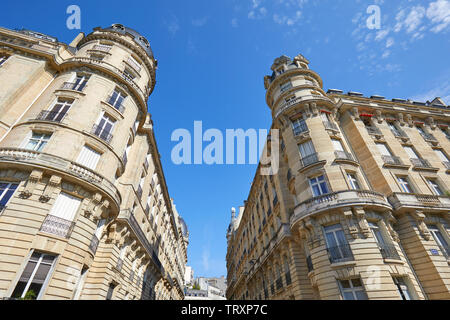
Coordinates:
85 210
360 206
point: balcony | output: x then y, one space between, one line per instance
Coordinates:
57 226
101 133
340 253
330 126
399 133
118 106
336 200
407 201
373 131
309 263
344 156
102 48
419 163
309 160
53 116
393 161
388 251
94 244
74 86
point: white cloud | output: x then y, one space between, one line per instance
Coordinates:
285 20
390 42
442 90
234 22
199 22
439 13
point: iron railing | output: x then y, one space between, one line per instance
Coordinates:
57 226
310 159
373 130
340 253
299 128
427 136
388 251
392 160
94 244
420 163
54 116
343 155
272 289
101 133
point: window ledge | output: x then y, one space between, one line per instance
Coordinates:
343 264
393 261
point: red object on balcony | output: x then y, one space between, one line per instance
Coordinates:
325 111
418 122
366 115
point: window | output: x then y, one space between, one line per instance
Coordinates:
34 276
104 127
337 144
59 110
286 86
299 126
402 288
383 149
353 181
37 141
110 293
80 82
306 149
337 245
80 283
88 157
442 155
435 187
439 238
131 61
6 191
397 132
446 132
404 184
128 74
411 152
65 206
3 59
352 289
375 229
318 186
325 117
116 99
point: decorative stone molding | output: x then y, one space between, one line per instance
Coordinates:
362 222
348 214
400 119
314 232
314 109
101 211
409 120
431 123
355 113
92 204
419 217
53 183
379 116
33 179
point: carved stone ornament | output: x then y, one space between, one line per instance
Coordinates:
32 182
49 189
423 229
353 229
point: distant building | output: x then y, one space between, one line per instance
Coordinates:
188 276
208 289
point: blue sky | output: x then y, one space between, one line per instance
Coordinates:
213 56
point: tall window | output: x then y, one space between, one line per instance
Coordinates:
104 127
285 86
128 74
88 157
402 288
353 181
439 238
80 82
375 229
3 59
299 126
337 144
383 149
404 184
37 141
306 149
435 187
441 155
336 243
352 289
412 154
110 292
34 276
65 206
59 110
80 284
6 191
116 99
318 186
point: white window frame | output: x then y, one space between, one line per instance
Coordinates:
412 154
41 142
383 149
353 181
93 157
404 184
119 95
319 184
306 149
442 155
435 186
352 290
5 191
337 144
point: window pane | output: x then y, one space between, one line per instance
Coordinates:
348 296
383 149
360 295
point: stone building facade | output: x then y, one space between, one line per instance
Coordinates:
85 209
359 208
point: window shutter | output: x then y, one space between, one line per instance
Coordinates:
89 157
65 206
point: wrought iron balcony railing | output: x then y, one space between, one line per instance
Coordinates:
94 244
343 155
392 160
420 163
309 263
272 289
340 253
57 226
54 116
310 159
388 251
428 136
101 133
